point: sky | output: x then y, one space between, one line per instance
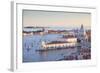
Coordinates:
39 18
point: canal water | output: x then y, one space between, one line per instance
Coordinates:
33 42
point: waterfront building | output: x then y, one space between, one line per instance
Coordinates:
70 42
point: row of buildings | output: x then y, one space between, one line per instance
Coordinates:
70 39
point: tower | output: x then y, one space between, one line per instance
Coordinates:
80 35
82 30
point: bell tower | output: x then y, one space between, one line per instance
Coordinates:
80 35
81 31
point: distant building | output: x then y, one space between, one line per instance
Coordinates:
88 35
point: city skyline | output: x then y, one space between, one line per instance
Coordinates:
39 18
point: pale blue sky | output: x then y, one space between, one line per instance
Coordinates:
53 19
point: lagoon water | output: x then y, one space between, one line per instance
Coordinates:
33 42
